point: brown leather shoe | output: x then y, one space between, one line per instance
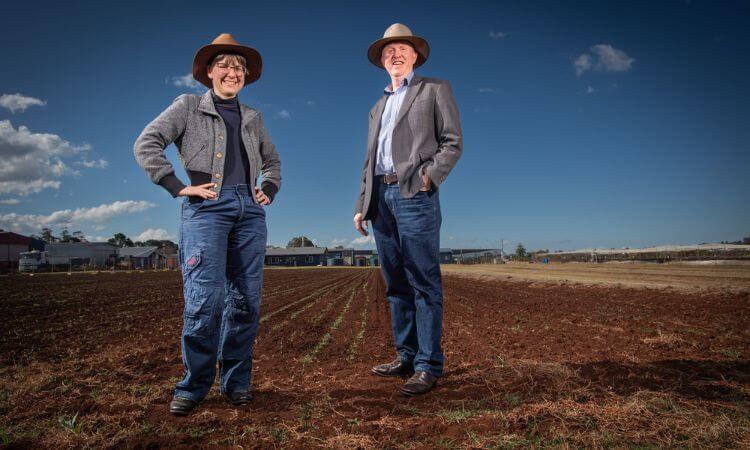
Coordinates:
420 383
393 369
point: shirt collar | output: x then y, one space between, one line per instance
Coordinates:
405 82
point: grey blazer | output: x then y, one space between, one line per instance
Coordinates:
426 136
198 131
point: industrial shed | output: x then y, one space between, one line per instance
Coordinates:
364 258
659 254
77 254
148 257
471 255
296 256
340 257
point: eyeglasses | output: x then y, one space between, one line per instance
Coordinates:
226 67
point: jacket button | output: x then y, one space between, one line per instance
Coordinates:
219 155
218 175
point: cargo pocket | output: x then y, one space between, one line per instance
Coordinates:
195 296
243 301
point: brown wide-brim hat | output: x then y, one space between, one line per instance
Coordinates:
225 43
399 32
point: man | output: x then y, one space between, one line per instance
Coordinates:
414 141
224 147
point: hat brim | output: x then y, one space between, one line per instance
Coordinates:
420 45
207 52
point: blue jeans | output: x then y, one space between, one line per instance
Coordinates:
222 247
407 234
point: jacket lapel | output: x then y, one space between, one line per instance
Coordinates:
375 124
206 104
411 94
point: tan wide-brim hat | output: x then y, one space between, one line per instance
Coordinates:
225 43
398 32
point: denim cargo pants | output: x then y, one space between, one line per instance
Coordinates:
222 248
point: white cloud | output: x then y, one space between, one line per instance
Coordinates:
489 90
309 103
19 102
612 59
582 64
105 212
363 241
187 81
96 164
10 201
498 34
603 58
284 114
590 90
158 234
31 223
27 187
31 162
337 242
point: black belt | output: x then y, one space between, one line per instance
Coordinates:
389 178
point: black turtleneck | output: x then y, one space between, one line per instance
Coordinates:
236 164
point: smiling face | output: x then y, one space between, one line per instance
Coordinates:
227 74
398 58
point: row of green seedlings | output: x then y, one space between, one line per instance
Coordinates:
324 312
332 300
325 282
352 352
310 357
325 289
304 284
310 304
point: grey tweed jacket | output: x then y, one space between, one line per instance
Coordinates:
426 137
199 133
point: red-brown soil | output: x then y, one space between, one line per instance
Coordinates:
91 361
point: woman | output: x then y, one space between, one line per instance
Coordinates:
223 146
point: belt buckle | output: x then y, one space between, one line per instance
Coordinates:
390 178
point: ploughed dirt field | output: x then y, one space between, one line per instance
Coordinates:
91 361
734 276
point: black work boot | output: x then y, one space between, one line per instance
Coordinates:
180 406
239 398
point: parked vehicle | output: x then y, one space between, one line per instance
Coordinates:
32 261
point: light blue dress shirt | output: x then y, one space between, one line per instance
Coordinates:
393 103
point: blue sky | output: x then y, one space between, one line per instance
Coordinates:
590 124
